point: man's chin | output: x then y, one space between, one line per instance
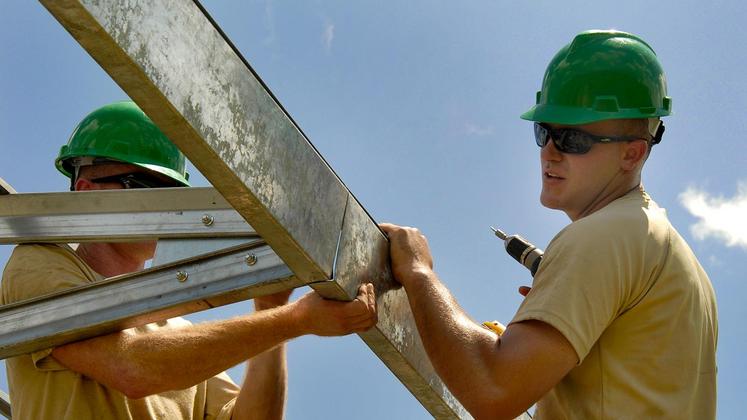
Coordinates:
549 202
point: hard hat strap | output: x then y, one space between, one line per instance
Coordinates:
659 133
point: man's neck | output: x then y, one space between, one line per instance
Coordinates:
603 201
108 260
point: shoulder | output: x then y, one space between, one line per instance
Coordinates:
632 221
37 269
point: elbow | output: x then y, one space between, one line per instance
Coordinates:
495 405
135 383
490 412
135 390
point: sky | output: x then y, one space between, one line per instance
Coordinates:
415 105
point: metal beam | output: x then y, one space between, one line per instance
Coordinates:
5 188
173 60
147 296
113 227
119 215
113 201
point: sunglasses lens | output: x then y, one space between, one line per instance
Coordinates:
133 180
139 181
574 142
540 135
566 140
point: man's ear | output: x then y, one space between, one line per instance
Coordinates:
633 153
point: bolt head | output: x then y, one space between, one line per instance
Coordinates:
251 259
207 220
182 276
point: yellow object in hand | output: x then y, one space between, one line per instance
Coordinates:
494 326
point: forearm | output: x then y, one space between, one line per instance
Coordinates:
263 392
454 343
167 359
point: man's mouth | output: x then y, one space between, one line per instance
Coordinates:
552 175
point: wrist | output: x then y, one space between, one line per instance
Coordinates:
294 319
417 276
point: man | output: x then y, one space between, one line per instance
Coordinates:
170 369
621 319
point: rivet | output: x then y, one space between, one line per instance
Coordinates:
251 259
207 220
182 276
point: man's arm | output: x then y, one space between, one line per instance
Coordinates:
262 394
145 364
492 376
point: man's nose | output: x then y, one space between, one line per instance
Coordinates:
550 152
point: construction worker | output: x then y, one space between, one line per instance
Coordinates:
166 370
621 319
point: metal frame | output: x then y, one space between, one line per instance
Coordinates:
173 60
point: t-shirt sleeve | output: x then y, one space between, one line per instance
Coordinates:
39 269
221 397
583 283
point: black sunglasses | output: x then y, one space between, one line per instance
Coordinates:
135 180
569 140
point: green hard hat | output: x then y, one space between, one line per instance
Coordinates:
602 75
121 132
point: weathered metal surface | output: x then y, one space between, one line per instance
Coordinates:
170 58
363 256
113 201
136 299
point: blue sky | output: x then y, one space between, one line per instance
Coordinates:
415 105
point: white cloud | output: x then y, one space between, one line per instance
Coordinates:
476 130
328 35
269 20
722 218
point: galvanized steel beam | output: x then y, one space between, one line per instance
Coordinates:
171 58
119 215
121 302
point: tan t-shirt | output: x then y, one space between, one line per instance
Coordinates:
41 388
627 292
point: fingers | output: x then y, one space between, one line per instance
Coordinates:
387 227
367 295
365 306
360 314
334 318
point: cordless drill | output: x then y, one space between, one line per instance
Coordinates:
521 250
